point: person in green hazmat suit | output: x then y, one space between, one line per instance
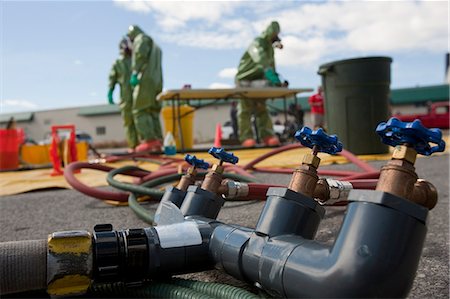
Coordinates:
120 74
257 69
146 79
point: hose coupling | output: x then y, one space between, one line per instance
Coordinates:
338 191
232 189
69 263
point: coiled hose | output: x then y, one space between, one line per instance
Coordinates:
175 288
149 188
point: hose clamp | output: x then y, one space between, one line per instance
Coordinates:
69 263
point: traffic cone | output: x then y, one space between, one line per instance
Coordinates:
218 137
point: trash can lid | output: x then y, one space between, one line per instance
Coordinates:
351 60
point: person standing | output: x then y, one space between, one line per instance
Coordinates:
257 69
317 111
120 74
146 78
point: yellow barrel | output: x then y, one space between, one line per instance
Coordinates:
187 124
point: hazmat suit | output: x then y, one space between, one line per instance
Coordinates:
120 74
147 80
257 69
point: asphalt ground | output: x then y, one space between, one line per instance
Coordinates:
34 215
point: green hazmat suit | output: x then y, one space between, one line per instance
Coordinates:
147 69
257 69
120 74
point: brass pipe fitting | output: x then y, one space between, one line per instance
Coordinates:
398 177
213 179
304 178
187 179
425 194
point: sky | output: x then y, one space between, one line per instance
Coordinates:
58 54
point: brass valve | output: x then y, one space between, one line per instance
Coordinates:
189 177
398 176
213 179
304 179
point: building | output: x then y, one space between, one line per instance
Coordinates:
104 123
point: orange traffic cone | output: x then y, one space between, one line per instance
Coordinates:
218 137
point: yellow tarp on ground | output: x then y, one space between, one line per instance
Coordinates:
24 181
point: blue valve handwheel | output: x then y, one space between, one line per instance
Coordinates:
222 155
395 132
329 144
197 163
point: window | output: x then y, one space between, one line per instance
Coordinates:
47 121
100 130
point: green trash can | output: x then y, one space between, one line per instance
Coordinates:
356 101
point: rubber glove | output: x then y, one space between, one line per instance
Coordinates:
110 96
272 77
134 80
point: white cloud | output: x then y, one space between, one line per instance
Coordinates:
228 72
310 31
93 94
17 103
218 85
172 15
77 62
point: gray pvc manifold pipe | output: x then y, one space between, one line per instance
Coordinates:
23 266
376 253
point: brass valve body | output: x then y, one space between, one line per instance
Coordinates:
187 179
213 179
304 180
397 177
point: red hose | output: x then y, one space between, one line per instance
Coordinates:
361 164
365 175
283 148
259 191
325 172
364 184
95 192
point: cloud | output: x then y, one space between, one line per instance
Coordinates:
77 62
172 15
17 103
310 31
93 94
228 72
218 85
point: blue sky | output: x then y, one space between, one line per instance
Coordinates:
57 54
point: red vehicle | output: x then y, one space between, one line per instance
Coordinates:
437 117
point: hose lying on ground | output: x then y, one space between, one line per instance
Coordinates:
175 288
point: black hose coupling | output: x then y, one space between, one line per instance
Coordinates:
120 255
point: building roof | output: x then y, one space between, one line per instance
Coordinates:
99 110
18 117
434 93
